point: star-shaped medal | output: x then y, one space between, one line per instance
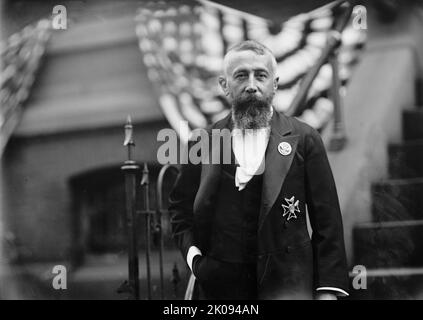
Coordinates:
290 208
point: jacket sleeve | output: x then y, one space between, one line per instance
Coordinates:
181 202
330 263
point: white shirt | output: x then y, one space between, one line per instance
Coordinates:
249 148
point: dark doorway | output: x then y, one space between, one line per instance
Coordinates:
98 200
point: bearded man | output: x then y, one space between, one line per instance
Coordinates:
242 226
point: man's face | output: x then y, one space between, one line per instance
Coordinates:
250 85
249 77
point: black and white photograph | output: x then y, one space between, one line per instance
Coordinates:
229 151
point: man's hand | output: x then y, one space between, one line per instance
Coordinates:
197 262
326 296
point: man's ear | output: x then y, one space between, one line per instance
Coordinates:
224 85
275 83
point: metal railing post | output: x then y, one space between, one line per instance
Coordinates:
339 136
145 183
159 212
130 168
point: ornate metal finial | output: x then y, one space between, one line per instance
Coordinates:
128 132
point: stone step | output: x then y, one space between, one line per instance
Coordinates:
389 244
397 199
388 284
406 159
412 124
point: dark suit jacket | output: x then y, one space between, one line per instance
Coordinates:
289 264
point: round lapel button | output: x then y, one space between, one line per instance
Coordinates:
284 148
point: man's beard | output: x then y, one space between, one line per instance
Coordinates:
252 112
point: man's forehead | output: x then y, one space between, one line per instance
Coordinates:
247 59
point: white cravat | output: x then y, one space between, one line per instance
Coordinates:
249 148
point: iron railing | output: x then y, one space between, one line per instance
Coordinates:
153 220
329 54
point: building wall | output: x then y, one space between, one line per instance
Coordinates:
91 79
36 172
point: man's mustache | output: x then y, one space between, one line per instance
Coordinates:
250 98
252 101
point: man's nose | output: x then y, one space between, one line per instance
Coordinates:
251 87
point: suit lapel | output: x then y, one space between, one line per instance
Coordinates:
276 164
210 172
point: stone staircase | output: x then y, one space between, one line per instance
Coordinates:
391 246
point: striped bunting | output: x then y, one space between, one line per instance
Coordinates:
183 47
20 58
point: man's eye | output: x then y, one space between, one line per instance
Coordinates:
261 76
240 76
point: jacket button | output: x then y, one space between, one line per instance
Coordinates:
288 249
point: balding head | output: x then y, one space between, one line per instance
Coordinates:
253 46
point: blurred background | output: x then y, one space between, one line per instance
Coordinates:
68 85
